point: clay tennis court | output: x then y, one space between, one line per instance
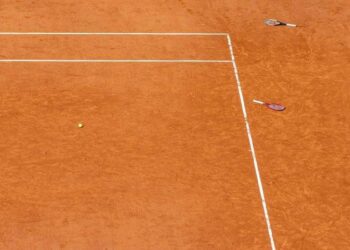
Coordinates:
173 153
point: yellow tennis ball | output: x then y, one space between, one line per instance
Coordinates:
80 125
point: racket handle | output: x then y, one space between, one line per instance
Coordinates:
291 25
258 102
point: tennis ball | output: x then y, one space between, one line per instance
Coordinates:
80 125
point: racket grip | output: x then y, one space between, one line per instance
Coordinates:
291 25
258 102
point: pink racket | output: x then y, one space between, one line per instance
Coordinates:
273 106
274 22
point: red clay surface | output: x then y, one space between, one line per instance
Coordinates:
114 47
151 169
163 160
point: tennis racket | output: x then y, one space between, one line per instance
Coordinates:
273 106
274 22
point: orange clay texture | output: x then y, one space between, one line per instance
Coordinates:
163 161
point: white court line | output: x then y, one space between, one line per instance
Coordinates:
111 61
251 144
111 34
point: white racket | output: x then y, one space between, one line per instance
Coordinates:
274 22
273 106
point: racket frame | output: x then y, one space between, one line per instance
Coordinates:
268 105
275 22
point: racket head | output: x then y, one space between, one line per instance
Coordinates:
275 106
273 22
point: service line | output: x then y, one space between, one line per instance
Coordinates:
110 61
111 34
